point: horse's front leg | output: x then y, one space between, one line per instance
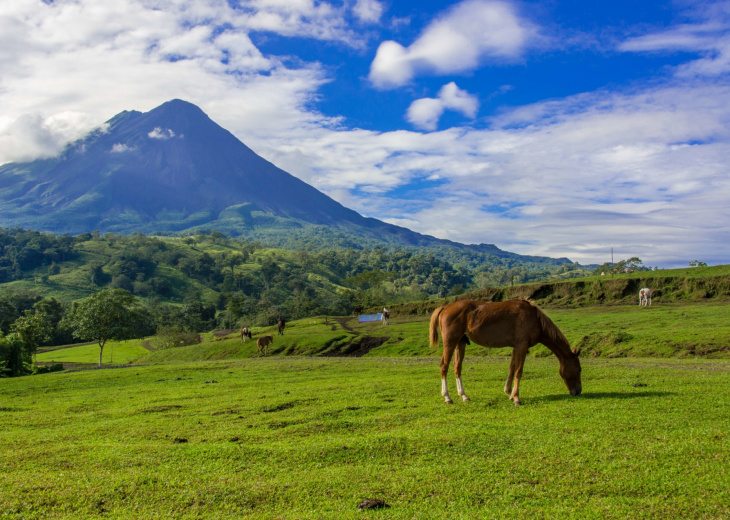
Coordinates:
516 365
458 360
445 361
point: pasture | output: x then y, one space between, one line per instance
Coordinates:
115 352
663 330
309 438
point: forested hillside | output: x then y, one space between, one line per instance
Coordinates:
209 280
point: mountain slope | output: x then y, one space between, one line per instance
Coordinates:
173 169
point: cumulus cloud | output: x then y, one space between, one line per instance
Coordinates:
460 40
425 113
33 136
368 10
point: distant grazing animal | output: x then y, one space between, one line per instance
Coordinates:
519 324
386 315
245 333
281 325
357 311
262 345
645 297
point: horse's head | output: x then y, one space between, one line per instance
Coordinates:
570 372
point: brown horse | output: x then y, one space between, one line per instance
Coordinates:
386 316
245 333
281 325
357 311
519 324
262 345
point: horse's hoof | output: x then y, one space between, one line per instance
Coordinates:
448 401
518 403
465 398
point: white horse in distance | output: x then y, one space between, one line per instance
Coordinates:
645 297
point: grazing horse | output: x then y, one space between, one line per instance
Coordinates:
519 324
386 316
357 311
281 325
245 333
262 345
645 297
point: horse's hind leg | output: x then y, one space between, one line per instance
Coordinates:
458 360
445 361
511 376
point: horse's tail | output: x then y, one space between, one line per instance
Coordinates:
551 335
433 332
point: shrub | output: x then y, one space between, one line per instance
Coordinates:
175 336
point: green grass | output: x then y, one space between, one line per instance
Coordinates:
310 438
115 352
664 330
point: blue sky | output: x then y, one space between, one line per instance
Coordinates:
559 128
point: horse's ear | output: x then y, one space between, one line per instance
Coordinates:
576 351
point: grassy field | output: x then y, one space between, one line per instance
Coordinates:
310 438
669 330
115 352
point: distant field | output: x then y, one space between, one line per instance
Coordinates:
311 438
663 330
115 352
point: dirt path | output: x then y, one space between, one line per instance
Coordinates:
345 324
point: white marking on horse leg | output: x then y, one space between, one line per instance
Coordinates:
460 389
445 392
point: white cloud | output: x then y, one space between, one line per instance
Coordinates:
368 10
460 40
160 133
639 171
121 148
425 113
33 136
105 58
708 37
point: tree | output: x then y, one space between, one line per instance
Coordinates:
232 261
108 314
13 358
32 329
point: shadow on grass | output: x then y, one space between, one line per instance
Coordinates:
604 395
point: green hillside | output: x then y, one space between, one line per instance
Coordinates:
235 281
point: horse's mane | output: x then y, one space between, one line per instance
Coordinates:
553 335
